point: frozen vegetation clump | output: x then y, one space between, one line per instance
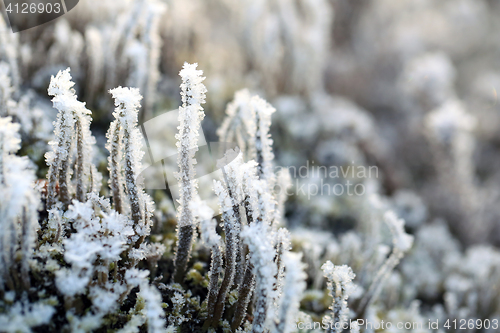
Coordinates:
74 259
355 179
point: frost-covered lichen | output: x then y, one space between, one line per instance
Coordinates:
72 128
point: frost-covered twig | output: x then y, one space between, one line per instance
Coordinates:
190 116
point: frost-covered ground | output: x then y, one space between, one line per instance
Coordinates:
358 175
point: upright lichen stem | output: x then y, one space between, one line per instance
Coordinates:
125 135
71 127
114 139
